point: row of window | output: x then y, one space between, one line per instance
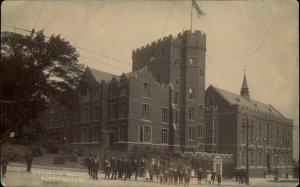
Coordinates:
88 134
114 113
86 114
266 135
165 113
261 159
91 94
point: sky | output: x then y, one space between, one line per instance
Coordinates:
259 36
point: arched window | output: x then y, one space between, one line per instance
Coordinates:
210 101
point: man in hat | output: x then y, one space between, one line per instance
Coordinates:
107 169
143 165
134 168
199 175
89 163
28 159
219 178
114 168
95 168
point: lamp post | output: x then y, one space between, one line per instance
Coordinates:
65 143
247 148
276 171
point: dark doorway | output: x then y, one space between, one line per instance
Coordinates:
110 139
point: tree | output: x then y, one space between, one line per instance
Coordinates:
33 70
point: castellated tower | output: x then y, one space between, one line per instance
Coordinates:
180 63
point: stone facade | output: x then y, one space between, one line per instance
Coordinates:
270 133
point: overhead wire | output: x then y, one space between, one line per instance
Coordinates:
90 59
39 15
168 18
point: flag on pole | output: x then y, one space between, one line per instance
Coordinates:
199 11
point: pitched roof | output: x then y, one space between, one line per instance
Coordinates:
235 99
101 75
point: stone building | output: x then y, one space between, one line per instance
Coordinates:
270 134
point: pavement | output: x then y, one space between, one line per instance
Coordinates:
70 177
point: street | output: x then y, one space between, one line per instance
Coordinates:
17 176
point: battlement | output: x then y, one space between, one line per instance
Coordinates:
154 43
167 38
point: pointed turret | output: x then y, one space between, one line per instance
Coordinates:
245 90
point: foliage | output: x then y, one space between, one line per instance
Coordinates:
36 69
58 160
14 156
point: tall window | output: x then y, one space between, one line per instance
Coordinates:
191 93
85 114
165 115
122 110
145 133
214 131
113 111
268 134
192 61
97 112
260 134
146 89
91 113
164 135
200 111
95 137
260 158
243 158
175 117
191 113
252 158
251 129
175 97
200 132
191 133
202 74
244 131
208 132
90 134
122 132
145 109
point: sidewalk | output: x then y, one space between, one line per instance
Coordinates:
48 167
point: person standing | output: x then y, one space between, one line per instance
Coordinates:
219 178
199 175
107 168
134 168
4 163
143 165
119 168
213 176
95 168
114 168
29 159
208 178
89 164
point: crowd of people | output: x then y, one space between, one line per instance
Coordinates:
210 177
240 176
168 171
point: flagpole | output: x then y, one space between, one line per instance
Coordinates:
191 15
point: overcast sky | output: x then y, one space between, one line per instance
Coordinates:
261 35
